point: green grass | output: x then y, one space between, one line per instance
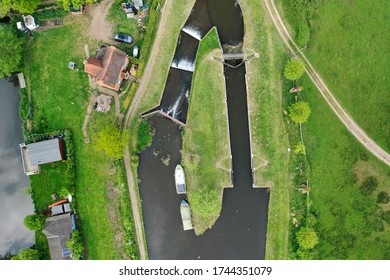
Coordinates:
349 48
206 136
349 223
60 98
269 139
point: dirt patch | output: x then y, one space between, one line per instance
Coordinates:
100 28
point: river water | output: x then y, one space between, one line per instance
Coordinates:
240 231
14 203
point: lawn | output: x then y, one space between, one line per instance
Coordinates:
269 137
349 47
60 97
206 146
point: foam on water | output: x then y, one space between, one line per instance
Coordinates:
184 64
192 32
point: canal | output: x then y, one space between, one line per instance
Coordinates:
14 203
240 231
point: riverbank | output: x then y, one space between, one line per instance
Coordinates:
269 137
206 152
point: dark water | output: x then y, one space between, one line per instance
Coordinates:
240 231
14 204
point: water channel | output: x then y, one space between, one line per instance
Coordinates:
14 203
240 231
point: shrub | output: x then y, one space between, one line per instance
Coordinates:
294 69
34 222
145 136
369 185
27 254
75 245
383 197
307 238
299 112
386 216
299 149
205 202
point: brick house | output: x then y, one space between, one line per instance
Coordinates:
109 68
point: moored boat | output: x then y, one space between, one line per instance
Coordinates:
180 180
185 212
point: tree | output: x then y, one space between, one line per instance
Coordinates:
299 112
111 140
307 238
75 3
34 222
294 69
11 47
369 185
27 254
383 197
75 245
205 202
23 6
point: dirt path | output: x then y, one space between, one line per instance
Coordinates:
146 77
116 98
347 120
100 28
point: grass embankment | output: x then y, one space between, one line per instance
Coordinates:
269 140
206 147
349 48
60 98
345 178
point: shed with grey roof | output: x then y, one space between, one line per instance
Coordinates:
45 151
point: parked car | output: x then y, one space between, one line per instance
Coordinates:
135 51
123 38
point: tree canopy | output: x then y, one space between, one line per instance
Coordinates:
27 254
307 238
11 47
75 3
23 6
34 222
111 141
299 112
294 69
205 202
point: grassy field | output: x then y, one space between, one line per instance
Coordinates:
206 144
349 222
269 139
349 48
60 97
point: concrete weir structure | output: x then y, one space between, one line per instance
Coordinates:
240 231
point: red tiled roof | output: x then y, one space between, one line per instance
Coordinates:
93 66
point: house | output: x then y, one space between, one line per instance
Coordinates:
109 68
39 153
58 229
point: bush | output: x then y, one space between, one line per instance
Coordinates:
75 245
205 202
299 112
27 254
386 216
383 197
34 222
369 185
145 136
307 238
294 69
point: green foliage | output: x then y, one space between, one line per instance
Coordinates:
11 51
145 136
27 254
383 197
205 202
25 6
49 14
299 149
111 141
34 222
294 69
75 245
369 185
307 238
386 216
76 3
299 112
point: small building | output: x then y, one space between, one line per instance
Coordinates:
58 229
39 153
109 68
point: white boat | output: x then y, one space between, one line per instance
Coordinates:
180 180
185 212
